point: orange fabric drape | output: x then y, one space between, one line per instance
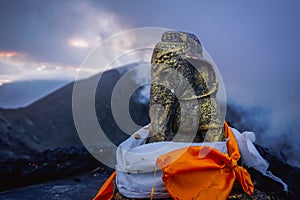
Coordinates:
106 192
198 173
203 173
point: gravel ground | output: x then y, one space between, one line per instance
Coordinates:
81 187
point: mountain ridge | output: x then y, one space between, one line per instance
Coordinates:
48 124
22 93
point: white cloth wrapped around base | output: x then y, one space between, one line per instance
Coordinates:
136 162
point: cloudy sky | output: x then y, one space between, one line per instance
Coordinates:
255 44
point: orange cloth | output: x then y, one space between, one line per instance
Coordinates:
203 173
198 173
106 192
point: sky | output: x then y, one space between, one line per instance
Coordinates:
255 44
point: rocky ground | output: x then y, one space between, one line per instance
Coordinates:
54 175
79 187
62 173
46 166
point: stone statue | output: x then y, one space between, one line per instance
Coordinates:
183 92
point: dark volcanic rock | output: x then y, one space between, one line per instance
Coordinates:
289 174
66 189
48 165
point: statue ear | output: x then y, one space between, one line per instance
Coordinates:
207 72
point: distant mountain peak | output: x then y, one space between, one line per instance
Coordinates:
22 93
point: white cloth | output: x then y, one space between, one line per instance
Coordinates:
251 157
139 185
136 162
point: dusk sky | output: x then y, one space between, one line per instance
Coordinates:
255 44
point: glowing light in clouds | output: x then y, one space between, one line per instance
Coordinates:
8 54
2 81
79 43
41 68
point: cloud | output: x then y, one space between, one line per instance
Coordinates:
9 54
44 31
21 67
53 37
78 43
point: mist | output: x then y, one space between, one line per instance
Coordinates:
273 126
